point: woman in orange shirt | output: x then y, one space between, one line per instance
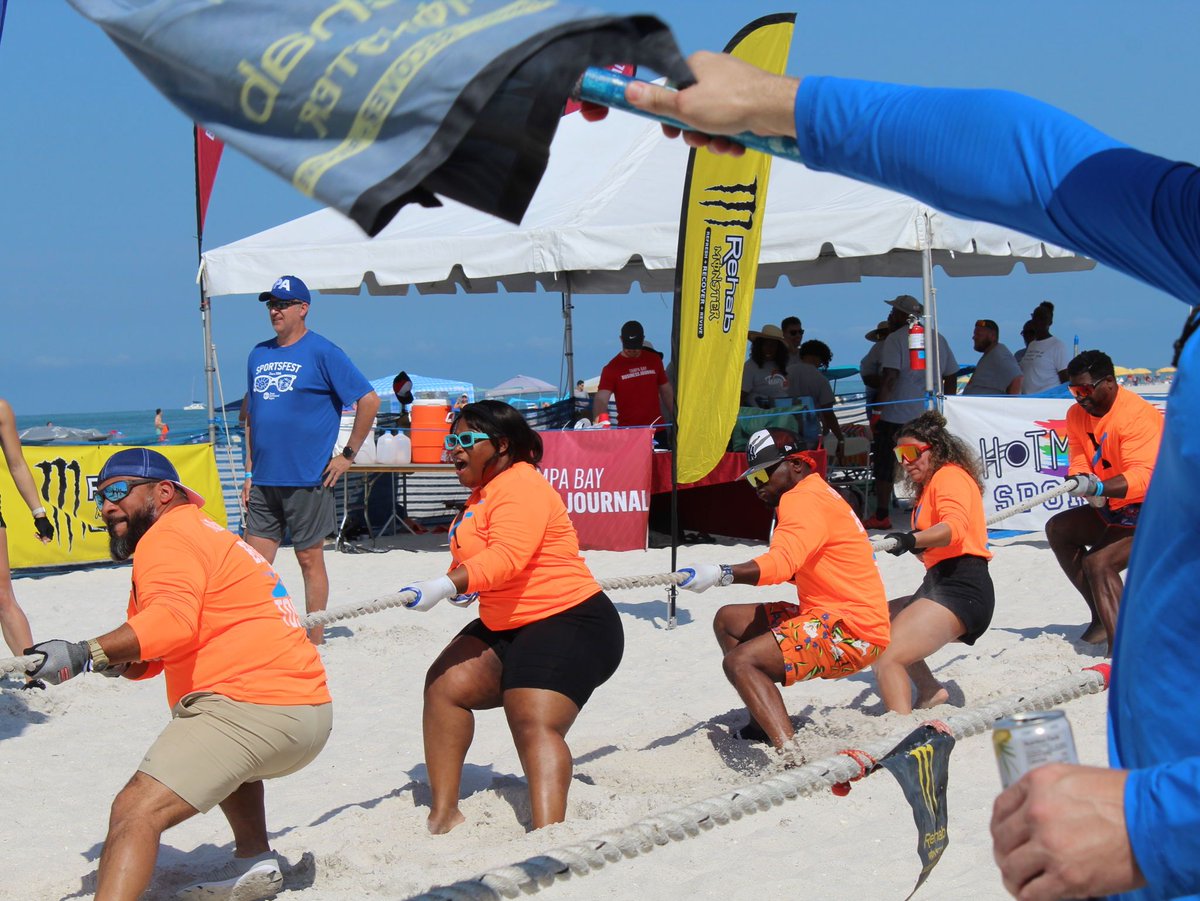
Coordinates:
546 636
956 600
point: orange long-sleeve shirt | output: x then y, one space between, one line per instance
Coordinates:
1124 441
820 547
953 497
520 550
213 611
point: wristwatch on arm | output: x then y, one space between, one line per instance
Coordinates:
349 453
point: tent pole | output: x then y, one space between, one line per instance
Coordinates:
568 337
210 367
931 339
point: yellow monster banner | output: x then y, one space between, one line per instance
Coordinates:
719 236
65 479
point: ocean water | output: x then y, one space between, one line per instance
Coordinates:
131 426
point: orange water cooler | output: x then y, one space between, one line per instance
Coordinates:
429 429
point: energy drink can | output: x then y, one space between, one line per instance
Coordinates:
1024 741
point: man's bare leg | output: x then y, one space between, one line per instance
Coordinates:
142 811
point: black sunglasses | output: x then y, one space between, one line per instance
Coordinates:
276 304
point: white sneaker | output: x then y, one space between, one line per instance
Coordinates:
242 879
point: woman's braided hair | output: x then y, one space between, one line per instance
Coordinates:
930 428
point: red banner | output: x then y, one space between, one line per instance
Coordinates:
603 476
208 158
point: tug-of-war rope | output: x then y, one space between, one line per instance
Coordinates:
619 583
834 772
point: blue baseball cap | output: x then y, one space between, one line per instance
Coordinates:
287 287
143 463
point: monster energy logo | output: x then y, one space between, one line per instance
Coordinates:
924 761
740 202
65 491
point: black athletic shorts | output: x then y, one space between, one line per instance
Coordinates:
964 587
573 652
883 446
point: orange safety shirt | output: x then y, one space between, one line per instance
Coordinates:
820 546
520 550
1124 441
215 614
953 497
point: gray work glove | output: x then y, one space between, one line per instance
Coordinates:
62 660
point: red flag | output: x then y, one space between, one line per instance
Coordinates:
626 69
208 158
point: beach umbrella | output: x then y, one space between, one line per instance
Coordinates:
1141 370
521 384
1166 370
1122 370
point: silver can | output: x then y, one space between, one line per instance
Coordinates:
1024 741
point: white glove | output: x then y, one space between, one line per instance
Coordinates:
1086 485
704 576
429 592
465 600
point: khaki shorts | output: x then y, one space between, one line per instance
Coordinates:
214 744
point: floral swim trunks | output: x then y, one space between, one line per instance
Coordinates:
816 646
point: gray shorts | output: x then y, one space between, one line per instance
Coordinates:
214 744
307 513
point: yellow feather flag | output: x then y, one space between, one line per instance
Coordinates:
720 232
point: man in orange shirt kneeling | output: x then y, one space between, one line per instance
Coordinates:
247 690
839 623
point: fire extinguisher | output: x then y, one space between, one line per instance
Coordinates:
916 346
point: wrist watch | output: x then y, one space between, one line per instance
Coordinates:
99 658
348 452
726 575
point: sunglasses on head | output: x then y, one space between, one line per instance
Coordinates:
118 491
276 304
464 440
908 453
1081 391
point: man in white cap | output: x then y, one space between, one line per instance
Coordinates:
901 398
247 689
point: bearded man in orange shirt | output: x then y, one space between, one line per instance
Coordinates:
247 690
1112 443
838 623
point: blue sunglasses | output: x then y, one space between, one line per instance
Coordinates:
118 491
464 440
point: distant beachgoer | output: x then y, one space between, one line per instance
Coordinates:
1112 442
13 622
838 624
247 691
956 600
997 371
1044 363
546 636
298 385
159 426
638 381
1027 333
793 333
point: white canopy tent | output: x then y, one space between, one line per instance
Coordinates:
606 218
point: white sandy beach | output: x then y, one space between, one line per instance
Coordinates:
654 738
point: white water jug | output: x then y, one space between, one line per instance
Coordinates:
403 450
385 449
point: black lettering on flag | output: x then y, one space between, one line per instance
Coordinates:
921 764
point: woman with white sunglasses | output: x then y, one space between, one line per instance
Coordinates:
546 636
956 599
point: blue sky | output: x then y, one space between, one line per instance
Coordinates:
98 254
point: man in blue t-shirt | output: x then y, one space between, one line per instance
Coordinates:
1060 831
298 383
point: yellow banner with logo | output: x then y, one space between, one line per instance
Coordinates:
65 479
719 237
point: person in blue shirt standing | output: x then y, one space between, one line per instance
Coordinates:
1061 831
298 383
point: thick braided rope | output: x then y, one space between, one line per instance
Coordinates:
641 837
886 544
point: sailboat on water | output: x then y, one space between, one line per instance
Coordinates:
195 404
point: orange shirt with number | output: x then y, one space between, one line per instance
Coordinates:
952 496
209 610
820 546
520 550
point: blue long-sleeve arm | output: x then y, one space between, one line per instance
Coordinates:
1006 158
